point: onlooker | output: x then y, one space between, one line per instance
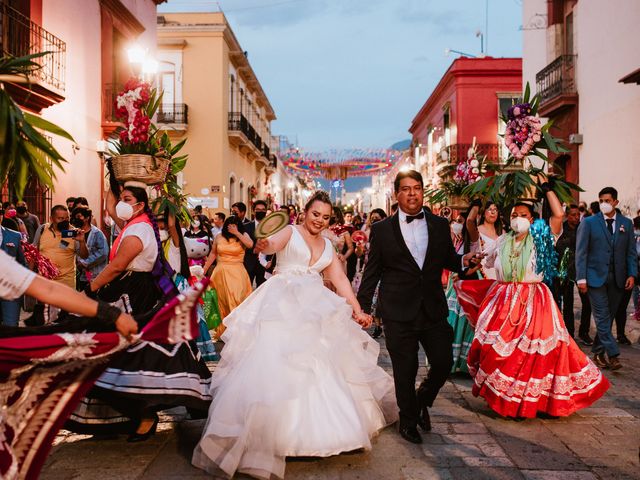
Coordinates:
61 250
584 210
260 211
71 201
606 265
11 215
594 208
10 243
96 242
239 209
566 245
31 222
218 222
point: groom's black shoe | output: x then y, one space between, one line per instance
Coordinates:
424 422
410 434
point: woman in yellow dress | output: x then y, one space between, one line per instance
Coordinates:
230 279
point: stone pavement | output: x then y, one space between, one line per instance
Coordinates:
468 441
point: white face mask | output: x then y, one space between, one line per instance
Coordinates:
195 224
124 211
164 235
456 228
520 224
606 208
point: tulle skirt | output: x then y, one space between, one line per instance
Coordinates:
298 377
522 358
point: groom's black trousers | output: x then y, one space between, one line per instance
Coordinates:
402 341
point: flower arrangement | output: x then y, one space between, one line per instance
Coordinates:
136 105
468 171
523 130
524 137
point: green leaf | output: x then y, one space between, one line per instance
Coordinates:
527 93
46 125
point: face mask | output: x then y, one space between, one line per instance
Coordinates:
606 208
63 225
195 224
520 224
260 216
164 235
124 211
77 222
21 210
456 228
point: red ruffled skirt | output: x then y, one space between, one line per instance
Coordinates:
522 359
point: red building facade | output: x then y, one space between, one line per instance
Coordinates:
465 104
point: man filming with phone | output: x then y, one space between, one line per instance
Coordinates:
60 243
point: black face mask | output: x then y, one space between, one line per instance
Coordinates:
63 225
21 210
77 222
260 216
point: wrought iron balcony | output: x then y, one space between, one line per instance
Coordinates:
557 80
242 133
20 36
266 151
175 113
460 151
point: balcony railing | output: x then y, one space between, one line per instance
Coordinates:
557 78
20 36
459 151
173 113
266 151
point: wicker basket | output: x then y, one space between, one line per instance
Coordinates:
142 168
458 202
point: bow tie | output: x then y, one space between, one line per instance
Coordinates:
411 218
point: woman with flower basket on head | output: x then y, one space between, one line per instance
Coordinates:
523 360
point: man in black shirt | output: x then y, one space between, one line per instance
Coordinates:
564 292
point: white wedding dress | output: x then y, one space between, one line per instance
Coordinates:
298 377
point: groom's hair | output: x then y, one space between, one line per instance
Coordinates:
417 176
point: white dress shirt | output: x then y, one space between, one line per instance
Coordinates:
416 236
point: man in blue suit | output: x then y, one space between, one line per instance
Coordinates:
10 243
606 265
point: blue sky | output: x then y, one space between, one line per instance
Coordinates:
353 73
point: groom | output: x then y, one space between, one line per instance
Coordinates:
408 252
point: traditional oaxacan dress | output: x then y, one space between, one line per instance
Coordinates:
462 329
148 376
523 360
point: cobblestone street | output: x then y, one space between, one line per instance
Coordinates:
468 441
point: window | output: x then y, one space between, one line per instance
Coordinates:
446 125
232 85
232 190
568 43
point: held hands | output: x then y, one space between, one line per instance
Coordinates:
582 287
473 260
363 319
127 326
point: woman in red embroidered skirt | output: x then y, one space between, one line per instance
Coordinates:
522 358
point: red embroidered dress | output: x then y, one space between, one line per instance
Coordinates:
522 359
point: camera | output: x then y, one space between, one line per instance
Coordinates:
69 233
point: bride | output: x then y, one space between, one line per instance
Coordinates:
298 377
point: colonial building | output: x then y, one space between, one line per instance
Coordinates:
581 55
466 104
213 97
74 89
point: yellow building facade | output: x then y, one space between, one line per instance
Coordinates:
213 98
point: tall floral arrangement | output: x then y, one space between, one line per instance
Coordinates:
457 178
525 136
136 105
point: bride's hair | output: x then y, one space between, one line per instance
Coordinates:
319 196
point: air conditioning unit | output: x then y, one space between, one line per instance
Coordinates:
575 138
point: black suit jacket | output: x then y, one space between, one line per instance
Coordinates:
404 286
250 258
